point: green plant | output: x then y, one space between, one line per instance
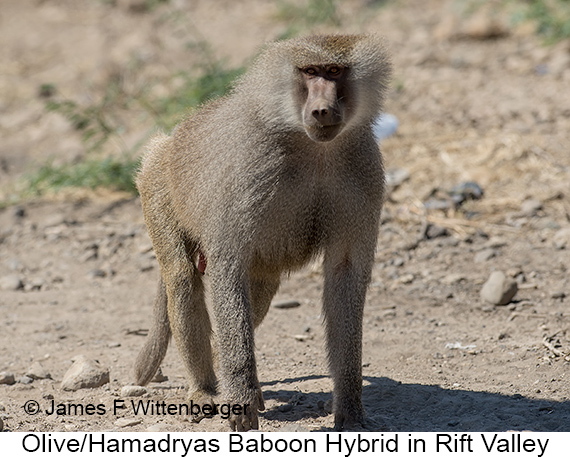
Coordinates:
551 16
214 82
100 120
110 172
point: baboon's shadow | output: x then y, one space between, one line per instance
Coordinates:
395 406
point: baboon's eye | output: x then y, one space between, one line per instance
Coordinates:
310 71
334 71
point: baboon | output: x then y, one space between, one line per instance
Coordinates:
255 184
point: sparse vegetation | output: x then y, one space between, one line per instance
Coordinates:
99 121
552 17
115 173
214 81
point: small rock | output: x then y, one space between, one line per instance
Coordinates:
406 279
84 373
499 290
24 380
438 203
293 428
453 278
468 190
91 254
37 371
19 212
159 377
34 284
54 220
435 231
128 421
285 408
530 207
495 242
558 295
286 304
47 396
484 255
157 428
484 25
7 378
97 273
398 262
11 282
133 391
562 238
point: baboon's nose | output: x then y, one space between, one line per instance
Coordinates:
320 113
324 114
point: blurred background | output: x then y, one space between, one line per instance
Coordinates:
479 88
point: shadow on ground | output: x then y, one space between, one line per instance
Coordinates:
398 407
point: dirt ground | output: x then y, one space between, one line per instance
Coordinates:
478 100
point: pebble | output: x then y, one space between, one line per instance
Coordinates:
133 391
19 212
159 377
484 255
435 231
90 254
495 242
285 408
37 371
453 278
530 207
11 282
157 428
499 290
468 190
562 238
294 428
24 380
128 421
286 304
7 378
406 279
84 373
97 273
483 25
34 284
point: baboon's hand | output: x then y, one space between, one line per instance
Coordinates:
249 419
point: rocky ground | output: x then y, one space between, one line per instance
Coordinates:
479 184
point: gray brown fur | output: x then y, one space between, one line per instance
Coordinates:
242 182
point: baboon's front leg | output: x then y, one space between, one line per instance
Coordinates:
346 280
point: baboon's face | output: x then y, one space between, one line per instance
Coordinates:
324 92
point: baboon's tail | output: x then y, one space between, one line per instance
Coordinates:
151 355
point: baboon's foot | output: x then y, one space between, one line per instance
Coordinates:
202 405
250 407
349 418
